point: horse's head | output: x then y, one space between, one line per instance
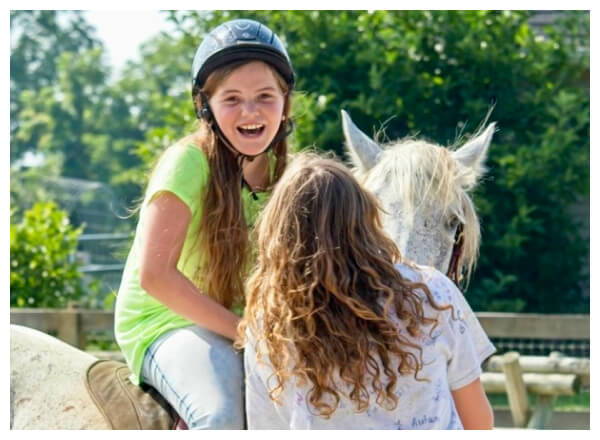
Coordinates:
424 192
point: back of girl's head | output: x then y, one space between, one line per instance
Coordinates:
318 209
321 297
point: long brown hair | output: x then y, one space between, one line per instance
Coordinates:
222 239
320 298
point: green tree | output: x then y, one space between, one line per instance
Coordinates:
63 104
60 118
156 91
38 38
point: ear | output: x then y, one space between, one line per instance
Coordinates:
472 155
364 152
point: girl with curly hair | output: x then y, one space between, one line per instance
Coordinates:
341 333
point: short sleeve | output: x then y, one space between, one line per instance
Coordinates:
469 344
182 170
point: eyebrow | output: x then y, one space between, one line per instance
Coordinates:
267 88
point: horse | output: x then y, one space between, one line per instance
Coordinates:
423 189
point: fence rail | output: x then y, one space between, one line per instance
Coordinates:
535 325
75 325
71 325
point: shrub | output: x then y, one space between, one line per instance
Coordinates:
44 272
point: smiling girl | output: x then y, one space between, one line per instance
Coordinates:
185 270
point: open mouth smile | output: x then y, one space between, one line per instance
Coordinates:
251 130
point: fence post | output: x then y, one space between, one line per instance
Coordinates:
543 411
515 389
69 327
544 406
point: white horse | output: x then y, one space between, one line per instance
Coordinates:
424 191
47 389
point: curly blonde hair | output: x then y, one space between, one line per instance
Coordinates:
320 297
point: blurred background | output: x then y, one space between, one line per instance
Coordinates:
87 125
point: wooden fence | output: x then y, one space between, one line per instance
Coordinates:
75 325
72 325
535 325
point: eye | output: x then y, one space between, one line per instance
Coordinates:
265 96
231 99
452 223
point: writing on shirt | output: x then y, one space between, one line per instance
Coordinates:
419 422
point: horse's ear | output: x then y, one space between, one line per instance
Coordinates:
472 155
364 152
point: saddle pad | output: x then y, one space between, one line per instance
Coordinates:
123 404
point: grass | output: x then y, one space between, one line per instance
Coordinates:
578 402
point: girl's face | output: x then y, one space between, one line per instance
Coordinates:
248 106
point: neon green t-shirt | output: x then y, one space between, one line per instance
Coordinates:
139 318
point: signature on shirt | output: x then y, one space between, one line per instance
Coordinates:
419 422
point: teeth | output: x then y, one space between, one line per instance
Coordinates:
251 127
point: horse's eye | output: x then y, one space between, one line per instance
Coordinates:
452 223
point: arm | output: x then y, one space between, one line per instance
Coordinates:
467 347
167 221
473 406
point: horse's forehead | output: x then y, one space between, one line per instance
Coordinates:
390 190
413 148
406 159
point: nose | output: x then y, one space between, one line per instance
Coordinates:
249 107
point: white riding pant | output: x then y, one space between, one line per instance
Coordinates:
200 374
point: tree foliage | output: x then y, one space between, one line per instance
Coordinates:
38 39
43 272
63 104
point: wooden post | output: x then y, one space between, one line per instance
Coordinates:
542 413
68 328
515 389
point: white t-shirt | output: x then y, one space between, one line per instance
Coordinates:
452 358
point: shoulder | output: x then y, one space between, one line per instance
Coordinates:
185 159
441 287
418 273
186 150
183 170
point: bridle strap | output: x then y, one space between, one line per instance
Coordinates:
454 271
